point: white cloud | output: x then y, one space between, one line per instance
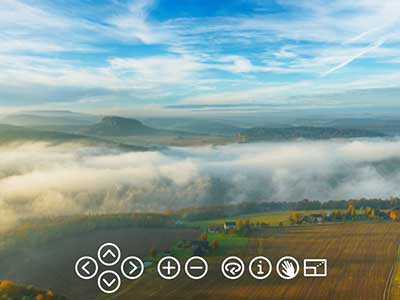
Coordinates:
272 94
159 68
42 179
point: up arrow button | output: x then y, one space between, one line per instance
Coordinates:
109 254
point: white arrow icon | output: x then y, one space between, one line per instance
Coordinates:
109 284
108 250
132 267
84 268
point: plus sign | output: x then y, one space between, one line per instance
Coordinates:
169 267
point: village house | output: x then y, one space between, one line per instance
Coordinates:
229 226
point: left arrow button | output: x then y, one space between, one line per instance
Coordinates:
86 267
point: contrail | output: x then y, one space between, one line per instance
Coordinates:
364 51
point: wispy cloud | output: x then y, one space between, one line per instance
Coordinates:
130 49
135 24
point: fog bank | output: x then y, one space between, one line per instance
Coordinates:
40 179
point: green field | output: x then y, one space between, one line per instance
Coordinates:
271 218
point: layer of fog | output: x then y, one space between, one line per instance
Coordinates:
39 179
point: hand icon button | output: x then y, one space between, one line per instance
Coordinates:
287 267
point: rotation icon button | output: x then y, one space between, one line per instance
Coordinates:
232 267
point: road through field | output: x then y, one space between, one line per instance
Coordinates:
392 290
360 256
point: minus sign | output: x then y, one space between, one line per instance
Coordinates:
196 268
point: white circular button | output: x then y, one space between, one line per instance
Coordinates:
109 282
86 267
196 267
109 254
232 267
287 267
262 267
132 267
169 267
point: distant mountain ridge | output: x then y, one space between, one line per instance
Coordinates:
311 133
195 125
114 126
48 118
118 126
11 133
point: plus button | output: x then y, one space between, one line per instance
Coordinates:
168 267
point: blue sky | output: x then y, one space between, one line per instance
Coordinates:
143 54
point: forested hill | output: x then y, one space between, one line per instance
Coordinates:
311 133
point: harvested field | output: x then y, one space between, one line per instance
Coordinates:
360 256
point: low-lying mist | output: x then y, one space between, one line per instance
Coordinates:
40 179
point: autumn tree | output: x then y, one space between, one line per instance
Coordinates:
295 218
351 211
394 215
214 245
203 236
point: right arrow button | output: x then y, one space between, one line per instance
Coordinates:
132 267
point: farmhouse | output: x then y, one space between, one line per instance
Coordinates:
229 226
316 218
214 229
